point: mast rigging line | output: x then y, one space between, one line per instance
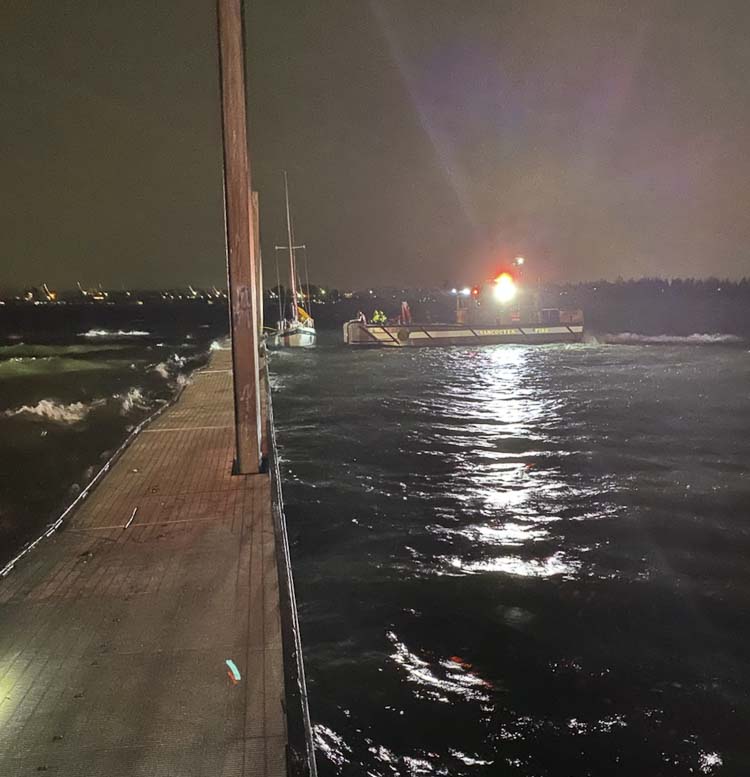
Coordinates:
292 263
278 277
307 281
278 287
299 275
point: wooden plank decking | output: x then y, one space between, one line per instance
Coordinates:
113 640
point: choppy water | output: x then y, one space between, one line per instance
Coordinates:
65 407
514 560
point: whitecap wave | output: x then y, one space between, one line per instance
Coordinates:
133 400
118 333
631 338
50 410
171 366
216 345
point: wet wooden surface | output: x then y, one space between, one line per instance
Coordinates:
114 632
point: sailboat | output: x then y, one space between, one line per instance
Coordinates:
298 329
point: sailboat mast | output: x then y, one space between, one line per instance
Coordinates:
292 267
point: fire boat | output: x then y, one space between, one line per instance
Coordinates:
496 311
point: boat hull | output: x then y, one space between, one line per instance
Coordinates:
295 337
430 335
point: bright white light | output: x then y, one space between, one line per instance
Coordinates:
519 261
454 291
466 291
505 288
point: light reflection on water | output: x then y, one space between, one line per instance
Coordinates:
507 482
508 534
513 565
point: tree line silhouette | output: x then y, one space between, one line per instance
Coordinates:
652 306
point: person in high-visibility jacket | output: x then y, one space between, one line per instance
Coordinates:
378 317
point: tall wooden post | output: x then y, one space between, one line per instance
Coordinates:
241 249
258 260
264 446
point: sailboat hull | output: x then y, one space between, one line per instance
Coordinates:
294 337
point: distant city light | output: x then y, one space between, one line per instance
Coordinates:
465 291
518 261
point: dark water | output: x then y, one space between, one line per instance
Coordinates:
66 406
522 561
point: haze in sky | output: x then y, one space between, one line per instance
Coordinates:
426 141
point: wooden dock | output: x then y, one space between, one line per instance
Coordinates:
115 631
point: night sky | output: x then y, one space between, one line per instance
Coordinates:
426 140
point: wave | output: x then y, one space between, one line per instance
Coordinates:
31 366
76 412
217 345
32 351
118 333
171 367
133 400
50 410
631 338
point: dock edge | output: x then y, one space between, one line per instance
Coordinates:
300 744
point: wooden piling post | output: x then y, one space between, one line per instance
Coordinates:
264 442
241 247
258 262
